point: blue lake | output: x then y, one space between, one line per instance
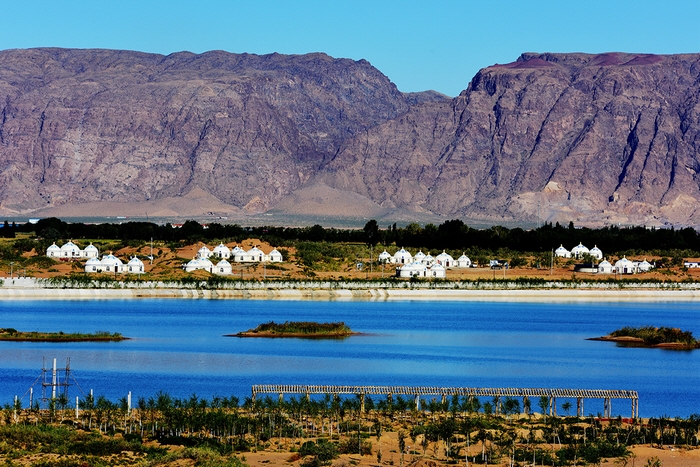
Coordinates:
178 346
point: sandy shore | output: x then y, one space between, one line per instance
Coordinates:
500 295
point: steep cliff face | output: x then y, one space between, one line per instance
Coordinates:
611 138
79 126
592 138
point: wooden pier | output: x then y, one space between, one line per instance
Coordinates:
417 391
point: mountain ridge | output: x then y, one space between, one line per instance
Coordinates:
593 138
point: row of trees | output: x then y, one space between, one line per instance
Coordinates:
452 234
324 427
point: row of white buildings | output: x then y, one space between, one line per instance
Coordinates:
223 267
621 266
624 266
578 252
70 250
110 263
443 259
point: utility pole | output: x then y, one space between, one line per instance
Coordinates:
551 263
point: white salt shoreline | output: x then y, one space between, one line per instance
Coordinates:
368 294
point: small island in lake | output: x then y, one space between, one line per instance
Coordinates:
650 336
11 334
306 329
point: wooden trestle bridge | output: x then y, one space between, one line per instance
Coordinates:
417 391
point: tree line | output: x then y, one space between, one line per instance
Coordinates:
452 234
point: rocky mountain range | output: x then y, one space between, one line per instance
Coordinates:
595 139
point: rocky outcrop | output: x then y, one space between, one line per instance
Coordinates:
597 139
610 138
86 126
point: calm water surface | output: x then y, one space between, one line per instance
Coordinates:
178 347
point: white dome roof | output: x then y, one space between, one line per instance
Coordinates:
402 254
221 248
222 263
91 247
111 260
443 256
135 262
561 249
463 258
595 251
579 249
437 267
237 249
204 249
428 259
419 256
255 251
623 262
93 262
70 246
604 263
415 266
384 255
54 247
200 263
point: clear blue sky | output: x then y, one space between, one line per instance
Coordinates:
419 45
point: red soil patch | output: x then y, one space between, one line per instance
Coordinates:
608 59
643 60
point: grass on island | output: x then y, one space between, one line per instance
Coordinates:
11 334
658 336
298 328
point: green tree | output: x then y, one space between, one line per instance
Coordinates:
371 230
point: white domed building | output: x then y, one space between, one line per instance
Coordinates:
416 269
604 267
199 263
445 260
644 266
579 250
402 257
275 256
54 251
413 269
624 266
255 254
90 251
429 260
437 271
70 250
135 266
596 253
111 263
221 252
223 268
464 261
93 265
419 257
384 257
562 252
204 252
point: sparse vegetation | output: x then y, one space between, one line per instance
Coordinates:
652 336
298 328
11 334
